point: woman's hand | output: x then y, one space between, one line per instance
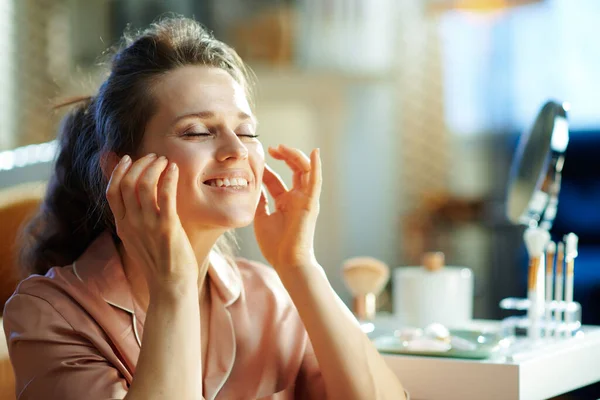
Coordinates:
286 235
143 200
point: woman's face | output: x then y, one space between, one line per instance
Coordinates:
204 124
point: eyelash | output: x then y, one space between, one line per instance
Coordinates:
195 134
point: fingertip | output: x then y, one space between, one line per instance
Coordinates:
316 156
126 159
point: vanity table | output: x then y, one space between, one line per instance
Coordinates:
543 373
528 366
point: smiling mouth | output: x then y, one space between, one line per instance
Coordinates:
237 183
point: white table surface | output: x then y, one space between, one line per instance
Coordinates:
550 370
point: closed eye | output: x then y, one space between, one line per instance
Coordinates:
197 134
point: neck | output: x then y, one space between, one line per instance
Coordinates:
202 244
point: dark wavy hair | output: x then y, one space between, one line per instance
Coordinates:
75 210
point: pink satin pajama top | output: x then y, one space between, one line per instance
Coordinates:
76 333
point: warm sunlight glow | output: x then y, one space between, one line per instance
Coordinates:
476 5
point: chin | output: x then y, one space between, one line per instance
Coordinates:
233 220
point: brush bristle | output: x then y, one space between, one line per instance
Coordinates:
551 248
536 240
365 275
571 241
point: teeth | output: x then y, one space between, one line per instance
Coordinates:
238 182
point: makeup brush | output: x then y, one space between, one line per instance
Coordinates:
535 240
571 242
558 287
365 277
550 252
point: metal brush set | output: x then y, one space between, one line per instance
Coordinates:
532 201
551 311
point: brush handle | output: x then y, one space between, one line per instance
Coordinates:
541 287
569 294
550 254
533 312
558 296
548 322
534 316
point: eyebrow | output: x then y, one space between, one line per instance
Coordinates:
209 114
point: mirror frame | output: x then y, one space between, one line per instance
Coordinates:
539 190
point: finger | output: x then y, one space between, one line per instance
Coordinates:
113 193
298 155
315 182
294 158
167 195
298 179
273 182
129 184
298 168
148 185
263 204
297 175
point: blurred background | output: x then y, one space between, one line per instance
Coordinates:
416 105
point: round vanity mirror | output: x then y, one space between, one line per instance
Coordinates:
536 168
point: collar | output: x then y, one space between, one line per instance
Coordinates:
100 265
225 277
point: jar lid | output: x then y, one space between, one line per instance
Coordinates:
433 261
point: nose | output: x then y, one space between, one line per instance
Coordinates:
231 147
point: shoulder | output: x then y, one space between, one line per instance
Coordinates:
34 308
58 281
43 298
37 291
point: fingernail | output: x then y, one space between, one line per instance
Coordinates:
151 155
125 160
172 167
161 158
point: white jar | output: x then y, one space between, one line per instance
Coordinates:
425 295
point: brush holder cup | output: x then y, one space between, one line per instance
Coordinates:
564 321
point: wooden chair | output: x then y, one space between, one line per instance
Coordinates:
17 204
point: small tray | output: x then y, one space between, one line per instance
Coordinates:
487 345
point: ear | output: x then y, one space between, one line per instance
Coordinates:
108 162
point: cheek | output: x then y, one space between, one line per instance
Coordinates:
257 150
256 154
191 162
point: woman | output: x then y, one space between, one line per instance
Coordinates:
152 174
